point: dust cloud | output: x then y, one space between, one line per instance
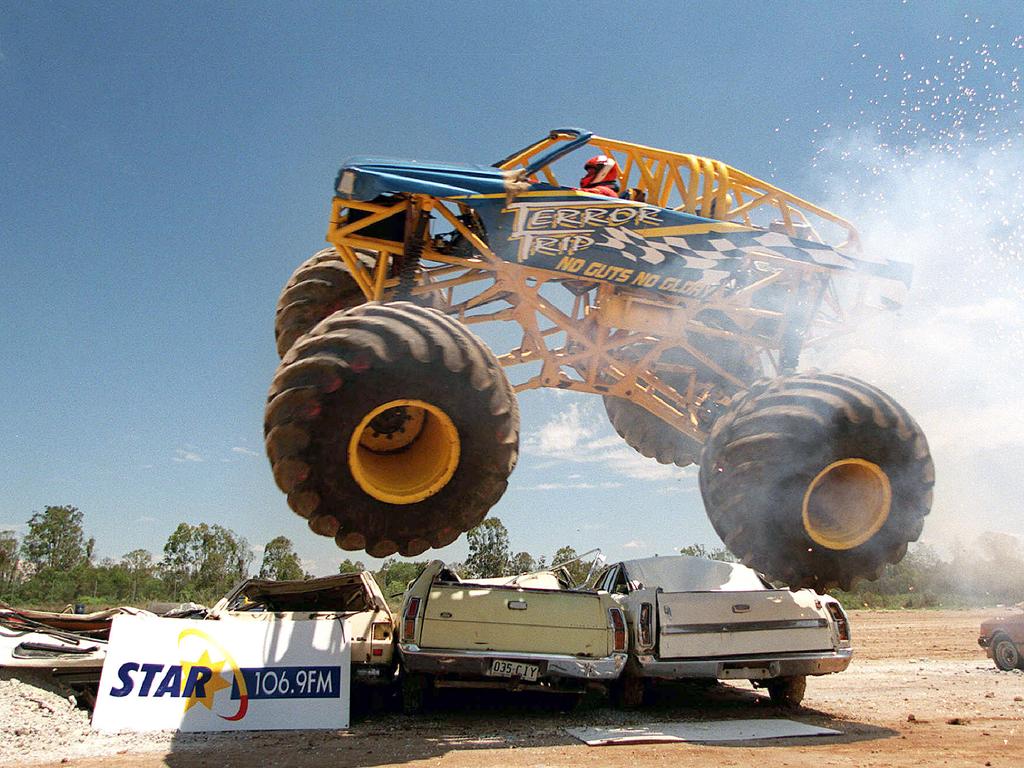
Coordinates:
932 172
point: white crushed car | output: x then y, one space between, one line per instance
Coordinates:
354 598
695 618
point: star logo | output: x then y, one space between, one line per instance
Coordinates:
205 676
203 693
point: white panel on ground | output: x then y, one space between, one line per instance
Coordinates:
703 730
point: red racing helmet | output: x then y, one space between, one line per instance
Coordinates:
601 169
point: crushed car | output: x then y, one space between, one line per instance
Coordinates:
354 598
1002 637
68 646
696 618
532 632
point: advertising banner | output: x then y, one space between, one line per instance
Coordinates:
230 675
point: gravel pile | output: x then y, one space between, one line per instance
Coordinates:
40 721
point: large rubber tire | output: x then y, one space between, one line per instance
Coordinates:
628 691
321 286
648 435
353 364
417 692
817 479
787 691
1005 653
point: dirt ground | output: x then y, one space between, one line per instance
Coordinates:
920 692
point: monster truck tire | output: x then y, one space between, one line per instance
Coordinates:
816 479
787 691
1005 653
391 428
648 435
322 285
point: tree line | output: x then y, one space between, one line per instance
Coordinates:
54 564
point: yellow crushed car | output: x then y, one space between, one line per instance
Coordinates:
527 632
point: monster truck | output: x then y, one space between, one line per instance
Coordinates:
393 428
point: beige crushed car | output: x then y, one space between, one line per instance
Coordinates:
695 618
527 632
353 598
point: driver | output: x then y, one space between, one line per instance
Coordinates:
602 176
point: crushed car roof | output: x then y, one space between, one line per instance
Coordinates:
692 574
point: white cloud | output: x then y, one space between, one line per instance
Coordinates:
566 486
188 453
562 434
634 544
243 451
582 434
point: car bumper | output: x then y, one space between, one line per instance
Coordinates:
986 643
551 666
746 667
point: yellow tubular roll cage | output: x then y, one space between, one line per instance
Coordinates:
612 340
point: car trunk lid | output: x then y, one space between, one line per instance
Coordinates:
496 618
740 623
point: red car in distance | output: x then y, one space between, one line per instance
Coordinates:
1003 640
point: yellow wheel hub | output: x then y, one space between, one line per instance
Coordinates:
847 503
404 451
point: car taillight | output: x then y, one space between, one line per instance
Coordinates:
381 631
842 623
618 628
412 609
646 625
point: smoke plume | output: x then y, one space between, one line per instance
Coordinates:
932 173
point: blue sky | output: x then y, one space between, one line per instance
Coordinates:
165 167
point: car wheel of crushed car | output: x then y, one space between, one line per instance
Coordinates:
1005 653
321 286
628 691
392 428
567 703
817 479
416 692
787 691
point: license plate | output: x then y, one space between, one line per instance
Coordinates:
501 668
745 673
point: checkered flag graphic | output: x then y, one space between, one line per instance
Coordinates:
707 251
654 251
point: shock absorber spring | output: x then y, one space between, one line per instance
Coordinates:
411 256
